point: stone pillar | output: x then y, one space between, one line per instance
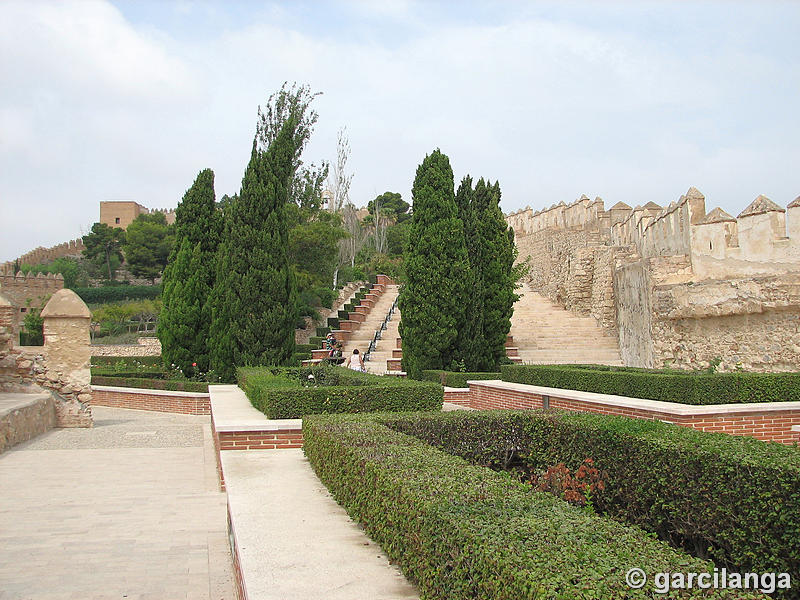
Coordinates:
67 352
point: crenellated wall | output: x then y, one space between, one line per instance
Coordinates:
625 266
45 255
26 292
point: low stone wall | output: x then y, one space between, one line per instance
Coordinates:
265 439
768 421
23 417
145 347
457 395
187 403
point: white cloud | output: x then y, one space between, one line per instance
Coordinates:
96 107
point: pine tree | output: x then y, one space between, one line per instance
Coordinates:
437 268
183 324
498 275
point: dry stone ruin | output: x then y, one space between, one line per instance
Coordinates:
678 286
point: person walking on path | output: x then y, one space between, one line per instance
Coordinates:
355 362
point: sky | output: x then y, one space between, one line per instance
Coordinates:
629 101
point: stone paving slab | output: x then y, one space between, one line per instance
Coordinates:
10 402
127 509
295 541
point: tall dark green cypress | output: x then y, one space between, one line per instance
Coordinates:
183 324
255 295
498 276
470 334
437 269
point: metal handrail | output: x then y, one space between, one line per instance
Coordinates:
384 325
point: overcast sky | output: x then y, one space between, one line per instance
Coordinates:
629 101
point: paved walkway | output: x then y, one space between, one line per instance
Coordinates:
295 541
128 509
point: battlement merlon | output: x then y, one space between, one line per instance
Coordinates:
764 238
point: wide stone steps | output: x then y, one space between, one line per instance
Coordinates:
545 333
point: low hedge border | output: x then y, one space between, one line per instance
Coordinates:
337 390
118 293
127 362
728 498
698 388
152 384
455 379
462 531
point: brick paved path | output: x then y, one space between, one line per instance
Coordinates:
128 509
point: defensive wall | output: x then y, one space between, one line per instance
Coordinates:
679 286
122 213
26 292
42 255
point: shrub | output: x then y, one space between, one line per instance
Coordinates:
455 379
700 387
334 390
462 531
729 498
126 362
152 384
118 293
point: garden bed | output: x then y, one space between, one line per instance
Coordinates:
290 393
459 530
683 387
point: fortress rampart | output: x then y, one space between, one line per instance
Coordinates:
679 286
46 255
25 292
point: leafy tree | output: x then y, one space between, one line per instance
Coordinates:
254 298
33 325
104 243
148 243
307 184
392 204
397 239
437 268
189 278
73 271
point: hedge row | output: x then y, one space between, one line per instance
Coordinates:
461 531
455 379
138 373
151 384
332 390
733 499
700 388
118 293
127 362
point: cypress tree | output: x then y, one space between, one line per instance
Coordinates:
437 268
183 325
254 312
470 334
498 275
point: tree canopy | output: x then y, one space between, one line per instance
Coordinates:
104 245
148 243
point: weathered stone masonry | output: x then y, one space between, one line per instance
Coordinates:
678 286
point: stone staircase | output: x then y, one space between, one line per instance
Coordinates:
357 330
545 333
362 337
386 357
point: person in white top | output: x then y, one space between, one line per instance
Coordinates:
355 361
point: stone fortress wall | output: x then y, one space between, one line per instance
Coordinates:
46 255
25 292
122 213
678 286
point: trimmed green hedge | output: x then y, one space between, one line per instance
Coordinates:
126 362
699 388
139 373
323 331
118 293
334 390
466 532
733 499
455 379
151 384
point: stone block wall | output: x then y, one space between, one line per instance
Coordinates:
61 366
680 287
26 292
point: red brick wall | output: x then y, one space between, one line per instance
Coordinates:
775 426
260 440
457 396
172 402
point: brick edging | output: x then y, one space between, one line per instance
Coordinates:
768 421
190 403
